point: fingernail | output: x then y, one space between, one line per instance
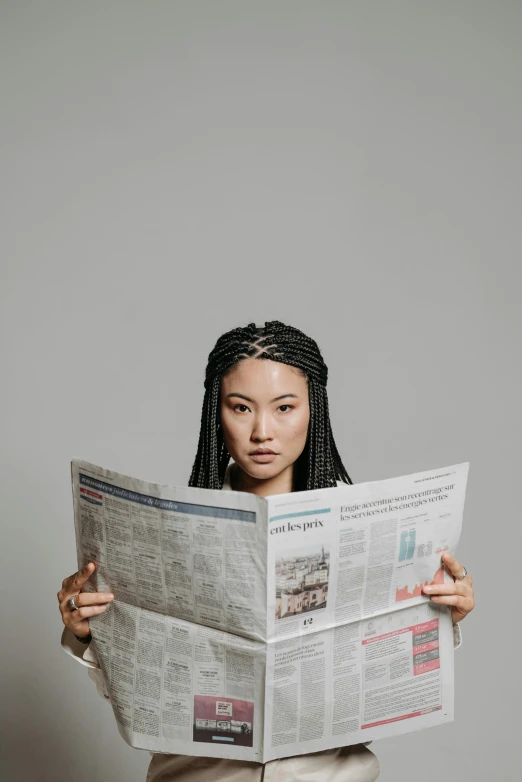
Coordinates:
428 589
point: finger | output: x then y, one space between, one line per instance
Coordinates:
71 581
84 599
88 611
78 620
83 575
93 598
453 600
73 584
456 588
453 565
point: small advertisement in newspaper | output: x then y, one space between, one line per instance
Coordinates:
223 720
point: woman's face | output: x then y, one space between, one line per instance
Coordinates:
264 412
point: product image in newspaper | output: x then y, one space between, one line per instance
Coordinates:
258 628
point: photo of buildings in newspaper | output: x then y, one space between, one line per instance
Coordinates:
302 581
223 720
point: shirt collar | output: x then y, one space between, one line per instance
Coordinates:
227 484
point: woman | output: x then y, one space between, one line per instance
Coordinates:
266 408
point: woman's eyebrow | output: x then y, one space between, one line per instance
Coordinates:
241 396
247 398
283 396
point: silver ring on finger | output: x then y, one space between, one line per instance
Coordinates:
72 603
463 574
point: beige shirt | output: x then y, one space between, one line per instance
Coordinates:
346 764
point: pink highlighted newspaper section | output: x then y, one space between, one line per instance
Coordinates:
424 659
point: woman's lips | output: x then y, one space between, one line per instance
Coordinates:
263 458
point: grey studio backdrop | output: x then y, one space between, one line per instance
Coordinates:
173 169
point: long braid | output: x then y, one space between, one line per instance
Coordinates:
320 465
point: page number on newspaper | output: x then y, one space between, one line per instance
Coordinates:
308 621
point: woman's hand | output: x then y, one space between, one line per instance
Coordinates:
460 594
89 603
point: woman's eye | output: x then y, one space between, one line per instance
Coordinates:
243 409
288 407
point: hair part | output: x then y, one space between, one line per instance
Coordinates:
319 466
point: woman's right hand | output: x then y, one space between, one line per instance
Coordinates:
90 603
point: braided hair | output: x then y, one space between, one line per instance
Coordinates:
319 466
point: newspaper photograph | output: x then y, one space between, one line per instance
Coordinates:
255 629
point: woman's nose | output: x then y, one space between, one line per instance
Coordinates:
262 430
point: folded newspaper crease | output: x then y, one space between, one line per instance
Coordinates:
254 628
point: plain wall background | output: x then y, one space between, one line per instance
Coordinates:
173 169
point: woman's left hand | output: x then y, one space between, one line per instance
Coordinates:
460 594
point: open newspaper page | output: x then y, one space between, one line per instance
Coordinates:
355 651
257 629
182 646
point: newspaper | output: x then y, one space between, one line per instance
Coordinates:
253 628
